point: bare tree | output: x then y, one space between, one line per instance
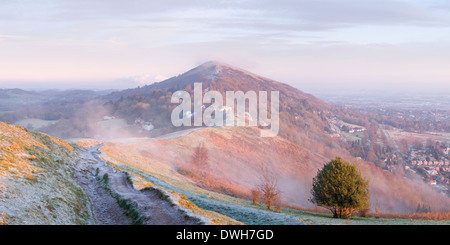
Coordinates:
269 189
200 156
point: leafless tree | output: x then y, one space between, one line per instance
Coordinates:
200 156
269 188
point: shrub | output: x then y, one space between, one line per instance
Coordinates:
255 196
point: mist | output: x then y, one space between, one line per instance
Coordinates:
87 123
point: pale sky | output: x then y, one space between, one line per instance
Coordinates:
126 43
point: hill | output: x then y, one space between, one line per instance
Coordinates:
46 181
36 183
238 157
37 109
311 132
146 111
307 136
304 118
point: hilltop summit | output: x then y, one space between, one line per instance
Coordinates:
298 110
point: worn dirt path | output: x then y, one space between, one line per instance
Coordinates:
105 207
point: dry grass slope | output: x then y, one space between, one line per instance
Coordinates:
88 142
36 185
3 219
236 156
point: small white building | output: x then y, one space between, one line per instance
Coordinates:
432 172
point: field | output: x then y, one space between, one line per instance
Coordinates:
397 135
34 123
337 124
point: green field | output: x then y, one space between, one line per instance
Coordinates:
33 123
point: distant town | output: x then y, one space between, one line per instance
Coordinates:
413 138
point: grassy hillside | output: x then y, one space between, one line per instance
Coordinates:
236 157
36 184
236 209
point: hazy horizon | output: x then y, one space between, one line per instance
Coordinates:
311 45
314 87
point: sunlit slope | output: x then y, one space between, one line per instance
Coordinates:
237 156
36 184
